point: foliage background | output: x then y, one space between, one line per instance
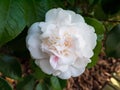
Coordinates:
16 16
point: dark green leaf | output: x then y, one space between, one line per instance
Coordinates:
27 83
113 42
63 83
71 2
43 86
39 87
4 85
110 6
55 83
99 13
99 29
96 54
18 45
10 67
12 20
36 9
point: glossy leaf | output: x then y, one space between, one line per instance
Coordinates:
18 45
99 29
36 9
16 14
4 85
12 20
43 86
27 83
113 42
96 54
63 83
55 83
10 67
39 87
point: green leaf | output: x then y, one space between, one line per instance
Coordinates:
112 45
99 30
27 83
110 6
18 45
99 13
71 2
12 20
63 83
4 85
96 54
55 83
43 86
36 9
10 67
39 87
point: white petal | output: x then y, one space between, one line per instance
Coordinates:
62 68
51 15
76 72
35 47
79 66
87 32
35 28
87 52
76 18
81 62
85 39
33 42
58 16
67 59
45 65
92 37
54 62
47 28
65 75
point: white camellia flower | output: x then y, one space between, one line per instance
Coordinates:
63 44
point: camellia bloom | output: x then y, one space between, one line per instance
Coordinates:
63 44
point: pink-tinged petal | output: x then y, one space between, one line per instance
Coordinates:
67 60
45 65
54 61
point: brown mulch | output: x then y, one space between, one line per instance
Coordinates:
96 77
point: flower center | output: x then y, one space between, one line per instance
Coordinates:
60 45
